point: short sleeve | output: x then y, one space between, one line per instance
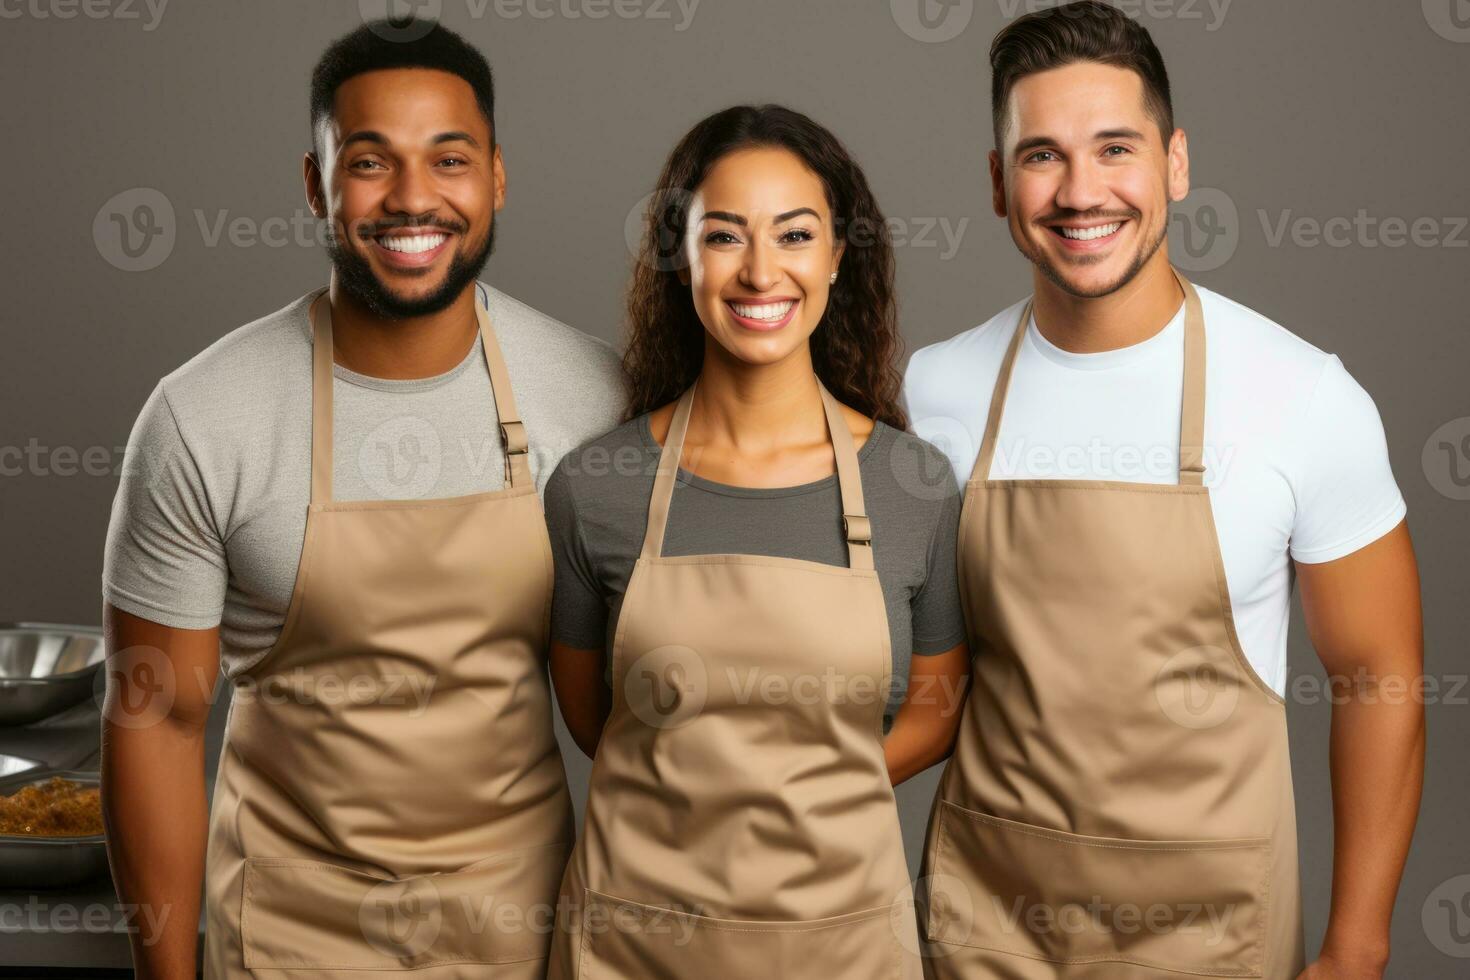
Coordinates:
578 610
938 616
1346 496
164 559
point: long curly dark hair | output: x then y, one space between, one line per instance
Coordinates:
856 346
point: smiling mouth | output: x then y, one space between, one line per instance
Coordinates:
1087 236
411 248
412 244
763 312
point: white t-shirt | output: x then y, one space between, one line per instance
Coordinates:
1295 455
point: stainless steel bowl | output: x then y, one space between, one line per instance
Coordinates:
46 668
49 862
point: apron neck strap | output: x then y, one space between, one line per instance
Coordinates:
856 529
321 398
1192 410
512 430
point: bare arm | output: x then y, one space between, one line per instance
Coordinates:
581 694
1363 615
159 685
924 729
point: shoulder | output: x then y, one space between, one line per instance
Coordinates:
245 373
515 320
907 465
1241 333
598 467
1262 373
954 367
993 334
571 385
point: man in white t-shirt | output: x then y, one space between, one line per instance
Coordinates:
1148 467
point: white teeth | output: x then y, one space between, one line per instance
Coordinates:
415 243
766 311
1088 234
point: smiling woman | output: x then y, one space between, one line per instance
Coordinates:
734 654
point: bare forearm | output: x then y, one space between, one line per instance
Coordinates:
1377 758
1364 617
914 744
153 794
927 723
156 813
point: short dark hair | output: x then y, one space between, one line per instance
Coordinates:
384 44
1086 30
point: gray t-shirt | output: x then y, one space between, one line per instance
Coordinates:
597 511
209 517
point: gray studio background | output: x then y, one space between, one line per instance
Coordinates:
1328 143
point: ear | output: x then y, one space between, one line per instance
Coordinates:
997 185
497 176
837 252
316 191
1178 166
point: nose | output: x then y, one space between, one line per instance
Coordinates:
760 272
1082 187
413 191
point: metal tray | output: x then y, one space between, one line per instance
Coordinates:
46 668
50 862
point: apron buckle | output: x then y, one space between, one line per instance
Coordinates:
857 528
513 433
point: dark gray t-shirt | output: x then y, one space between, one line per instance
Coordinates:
597 512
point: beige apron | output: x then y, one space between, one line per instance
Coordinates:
1119 802
740 821
390 795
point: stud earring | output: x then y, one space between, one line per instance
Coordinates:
834 277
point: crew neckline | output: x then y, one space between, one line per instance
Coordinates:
406 385
689 478
1161 341
409 384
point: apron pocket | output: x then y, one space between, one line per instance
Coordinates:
625 940
1195 906
298 914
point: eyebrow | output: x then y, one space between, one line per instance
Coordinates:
1033 142
738 219
373 136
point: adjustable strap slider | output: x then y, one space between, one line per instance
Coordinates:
1192 459
514 435
857 528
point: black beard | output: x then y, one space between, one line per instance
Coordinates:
358 280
